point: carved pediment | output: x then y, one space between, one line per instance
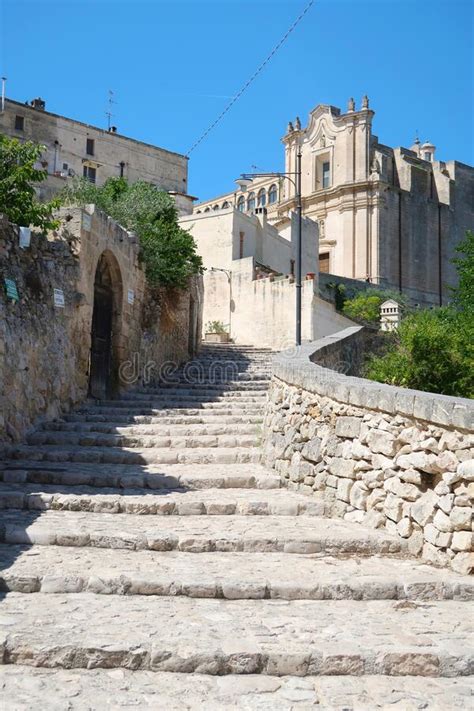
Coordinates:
322 127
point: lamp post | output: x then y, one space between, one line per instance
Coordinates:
295 179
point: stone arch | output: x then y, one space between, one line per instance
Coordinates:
106 327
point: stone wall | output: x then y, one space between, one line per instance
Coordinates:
379 455
45 349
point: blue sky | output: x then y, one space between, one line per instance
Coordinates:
173 64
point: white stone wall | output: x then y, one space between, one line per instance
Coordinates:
379 455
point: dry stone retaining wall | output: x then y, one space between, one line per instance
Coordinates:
385 456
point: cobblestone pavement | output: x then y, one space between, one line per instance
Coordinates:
149 561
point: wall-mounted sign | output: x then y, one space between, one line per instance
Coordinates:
86 222
25 237
12 291
131 296
58 298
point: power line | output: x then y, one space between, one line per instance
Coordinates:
252 78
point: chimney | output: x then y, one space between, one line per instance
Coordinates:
113 129
38 103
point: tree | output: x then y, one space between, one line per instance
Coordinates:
18 176
168 252
463 294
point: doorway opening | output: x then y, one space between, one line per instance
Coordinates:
105 328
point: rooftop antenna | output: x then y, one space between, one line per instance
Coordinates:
417 138
109 113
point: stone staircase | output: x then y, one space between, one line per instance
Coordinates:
211 587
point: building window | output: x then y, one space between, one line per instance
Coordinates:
241 204
90 173
241 244
262 198
207 209
251 202
19 123
225 205
428 156
90 146
292 267
216 207
324 262
272 194
122 169
326 174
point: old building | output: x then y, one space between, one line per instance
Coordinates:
78 319
249 283
391 216
76 148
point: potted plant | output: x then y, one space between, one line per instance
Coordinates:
216 332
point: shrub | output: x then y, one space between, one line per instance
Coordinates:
18 175
168 252
431 351
365 305
215 327
463 294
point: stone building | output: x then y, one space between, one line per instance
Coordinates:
391 216
249 283
76 148
78 319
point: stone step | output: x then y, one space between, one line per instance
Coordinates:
171 441
98 423
158 429
181 394
172 407
260 384
166 416
232 576
193 477
180 502
195 534
138 455
218 637
58 689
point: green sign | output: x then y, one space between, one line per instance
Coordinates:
12 291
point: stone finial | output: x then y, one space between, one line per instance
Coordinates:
365 102
351 104
291 128
298 123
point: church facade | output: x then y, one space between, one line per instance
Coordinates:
388 216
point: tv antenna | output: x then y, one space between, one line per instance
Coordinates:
109 113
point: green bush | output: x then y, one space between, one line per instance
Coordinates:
168 252
365 305
18 176
431 351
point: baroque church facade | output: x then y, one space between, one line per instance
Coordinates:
388 216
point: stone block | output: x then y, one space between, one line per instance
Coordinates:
442 522
381 442
461 518
462 541
393 508
424 509
358 495
446 502
344 487
342 468
436 537
463 563
418 460
404 528
410 492
348 427
466 470
312 450
411 476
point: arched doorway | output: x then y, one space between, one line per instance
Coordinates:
105 327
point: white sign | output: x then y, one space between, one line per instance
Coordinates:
131 296
86 222
58 298
25 237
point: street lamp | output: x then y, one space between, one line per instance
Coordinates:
244 182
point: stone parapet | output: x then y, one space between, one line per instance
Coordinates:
383 456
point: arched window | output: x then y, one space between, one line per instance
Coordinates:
225 204
272 194
198 212
262 198
208 209
241 204
251 202
216 207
